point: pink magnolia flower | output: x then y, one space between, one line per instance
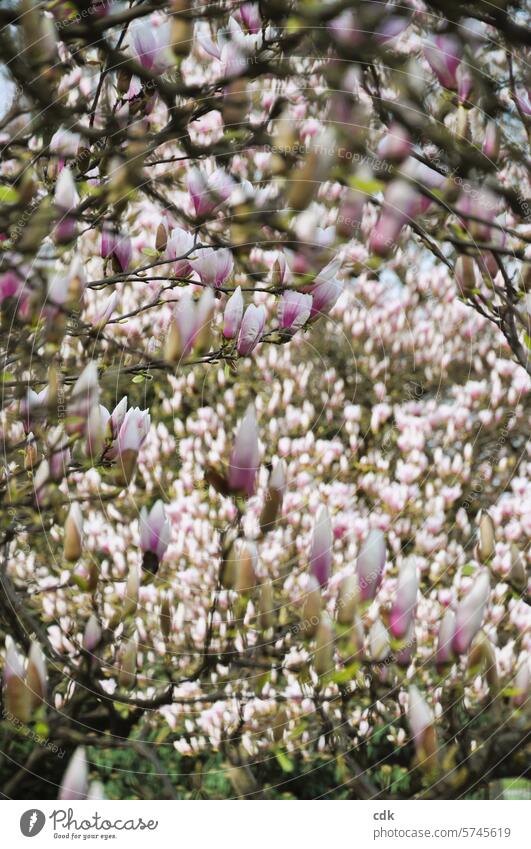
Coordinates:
134 429
105 311
321 548
85 394
178 247
245 456
151 45
400 206
250 15
444 54
154 535
117 247
370 564
232 316
444 653
403 609
420 716
324 295
213 266
66 200
294 310
251 329
396 144
470 612
207 192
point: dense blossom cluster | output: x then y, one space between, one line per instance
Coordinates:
266 391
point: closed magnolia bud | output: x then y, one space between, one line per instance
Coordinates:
132 589
463 124
311 607
486 544
127 663
521 683
266 605
466 274
517 573
491 142
422 728
18 698
31 454
73 541
245 456
444 653
161 238
274 497
348 600
230 566
279 724
404 604
36 674
92 634
323 659
470 613
75 780
379 646
370 564
165 617
247 561
483 658
321 550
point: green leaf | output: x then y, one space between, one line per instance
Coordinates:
468 570
138 378
370 187
8 195
527 340
286 764
150 252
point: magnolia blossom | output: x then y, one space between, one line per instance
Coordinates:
294 310
105 311
131 437
178 248
208 192
251 329
444 54
232 316
321 548
154 534
151 45
444 652
92 634
73 544
117 247
370 564
213 266
85 394
245 456
190 327
66 199
404 604
470 612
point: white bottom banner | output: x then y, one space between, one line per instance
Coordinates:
227 824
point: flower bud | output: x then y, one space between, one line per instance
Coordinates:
18 698
518 573
396 145
444 653
321 549
422 728
92 635
294 311
379 641
370 564
466 274
36 674
486 545
245 456
154 535
348 600
323 659
274 496
403 609
311 607
165 616
73 541
521 683
127 664
482 658
245 579
444 54
470 613
75 780
251 330
266 605
232 316
491 142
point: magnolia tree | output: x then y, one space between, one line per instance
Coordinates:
265 393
